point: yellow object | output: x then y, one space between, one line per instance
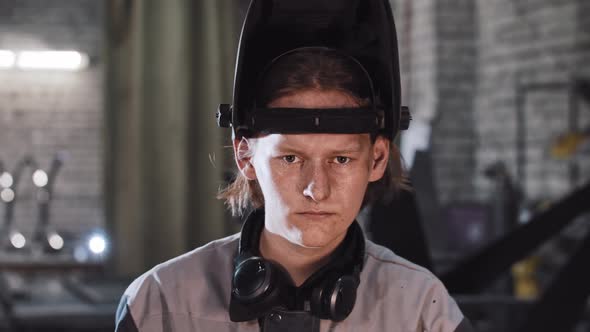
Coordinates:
526 285
566 145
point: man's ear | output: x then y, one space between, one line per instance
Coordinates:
380 158
243 151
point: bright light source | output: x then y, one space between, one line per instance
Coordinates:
7 195
61 60
7 59
40 178
18 240
6 180
97 244
55 241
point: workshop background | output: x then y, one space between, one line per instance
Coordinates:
110 157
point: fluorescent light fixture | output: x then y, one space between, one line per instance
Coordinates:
57 60
7 59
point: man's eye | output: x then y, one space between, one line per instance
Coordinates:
290 159
342 160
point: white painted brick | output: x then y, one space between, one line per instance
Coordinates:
43 112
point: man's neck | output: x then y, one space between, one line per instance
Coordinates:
300 262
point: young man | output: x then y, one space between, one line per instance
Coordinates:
312 141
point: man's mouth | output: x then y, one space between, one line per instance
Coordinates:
314 214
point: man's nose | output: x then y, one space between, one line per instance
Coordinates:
317 185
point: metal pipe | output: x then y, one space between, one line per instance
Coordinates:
478 271
44 197
25 162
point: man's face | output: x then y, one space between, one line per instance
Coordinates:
313 184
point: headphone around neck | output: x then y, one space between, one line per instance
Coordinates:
260 285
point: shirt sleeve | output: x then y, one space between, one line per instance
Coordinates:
465 326
440 312
123 319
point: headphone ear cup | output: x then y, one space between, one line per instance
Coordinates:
259 283
252 280
334 299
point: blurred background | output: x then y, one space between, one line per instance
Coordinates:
110 157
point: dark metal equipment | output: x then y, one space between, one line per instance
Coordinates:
15 176
42 286
397 225
59 299
478 271
564 300
44 197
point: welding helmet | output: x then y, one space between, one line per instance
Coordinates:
363 30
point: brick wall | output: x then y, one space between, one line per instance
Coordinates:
44 112
438 56
465 66
437 42
453 133
462 65
528 44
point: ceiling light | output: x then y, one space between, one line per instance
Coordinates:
58 60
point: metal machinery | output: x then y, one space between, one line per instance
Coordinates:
50 281
478 279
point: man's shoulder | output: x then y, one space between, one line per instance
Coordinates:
193 263
417 294
186 282
190 265
382 258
